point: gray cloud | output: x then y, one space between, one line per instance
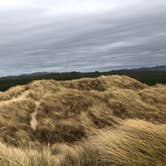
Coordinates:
40 35
78 6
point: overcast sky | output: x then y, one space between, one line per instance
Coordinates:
82 35
81 6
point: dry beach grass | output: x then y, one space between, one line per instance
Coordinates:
109 120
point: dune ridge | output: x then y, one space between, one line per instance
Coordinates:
109 120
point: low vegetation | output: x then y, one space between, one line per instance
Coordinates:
150 76
108 120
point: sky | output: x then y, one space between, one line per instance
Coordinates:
82 35
78 6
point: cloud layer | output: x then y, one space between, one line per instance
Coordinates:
78 6
82 35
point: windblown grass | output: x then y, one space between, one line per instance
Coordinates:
134 143
112 120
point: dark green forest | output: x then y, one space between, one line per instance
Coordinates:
150 76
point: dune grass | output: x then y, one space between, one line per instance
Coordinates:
113 120
134 142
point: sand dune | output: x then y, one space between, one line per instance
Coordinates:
109 120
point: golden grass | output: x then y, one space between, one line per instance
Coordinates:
113 120
134 142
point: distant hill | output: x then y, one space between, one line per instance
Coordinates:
150 76
157 68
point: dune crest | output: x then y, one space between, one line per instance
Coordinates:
112 117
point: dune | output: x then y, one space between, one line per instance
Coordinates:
109 120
